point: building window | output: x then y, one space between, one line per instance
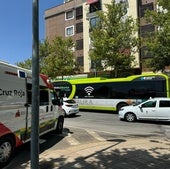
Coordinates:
79 27
80 61
145 7
79 12
95 7
145 53
69 31
146 29
69 15
79 44
93 22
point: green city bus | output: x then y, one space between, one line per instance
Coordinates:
113 93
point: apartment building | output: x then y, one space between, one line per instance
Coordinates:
145 27
66 20
74 17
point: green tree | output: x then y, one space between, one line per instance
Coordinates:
57 57
158 42
25 64
113 39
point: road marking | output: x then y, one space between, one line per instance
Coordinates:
95 135
72 141
102 131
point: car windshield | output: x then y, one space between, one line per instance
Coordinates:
139 101
149 104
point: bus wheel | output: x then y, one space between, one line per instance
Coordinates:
130 117
120 105
6 150
59 128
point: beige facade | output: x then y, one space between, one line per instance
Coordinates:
145 27
56 24
133 11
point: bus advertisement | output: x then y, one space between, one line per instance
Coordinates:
114 93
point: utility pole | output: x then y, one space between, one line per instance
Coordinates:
35 87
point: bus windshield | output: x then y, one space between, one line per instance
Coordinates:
63 88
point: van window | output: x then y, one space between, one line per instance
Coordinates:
164 103
44 95
29 91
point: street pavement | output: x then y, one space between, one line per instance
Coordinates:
118 152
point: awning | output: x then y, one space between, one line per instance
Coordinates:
91 1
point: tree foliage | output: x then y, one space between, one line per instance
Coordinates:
158 42
114 39
57 57
27 64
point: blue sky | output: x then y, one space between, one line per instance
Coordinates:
16 28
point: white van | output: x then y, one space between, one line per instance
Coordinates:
15 109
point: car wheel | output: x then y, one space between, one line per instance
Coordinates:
130 117
59 128
6 150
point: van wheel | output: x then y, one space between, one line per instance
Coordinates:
59 128
6 150
130 117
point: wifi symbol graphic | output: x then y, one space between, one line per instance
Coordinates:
89 90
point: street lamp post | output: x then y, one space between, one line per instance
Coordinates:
35 87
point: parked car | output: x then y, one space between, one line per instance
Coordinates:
152 109
70 107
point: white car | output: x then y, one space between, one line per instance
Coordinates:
70 107
152 109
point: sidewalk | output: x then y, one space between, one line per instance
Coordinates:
118 153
